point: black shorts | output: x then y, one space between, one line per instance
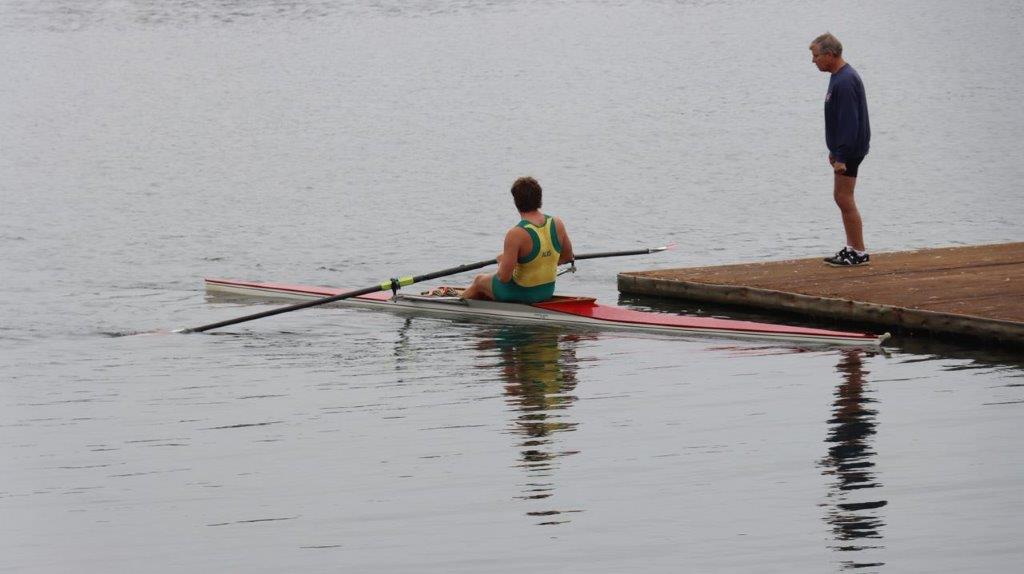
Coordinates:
852 165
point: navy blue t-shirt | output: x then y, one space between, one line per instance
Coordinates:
847 130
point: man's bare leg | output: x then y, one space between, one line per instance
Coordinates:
843 194
480 288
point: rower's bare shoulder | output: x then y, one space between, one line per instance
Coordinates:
517 237
517 233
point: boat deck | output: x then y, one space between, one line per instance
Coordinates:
975 291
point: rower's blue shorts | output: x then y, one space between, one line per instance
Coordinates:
512 292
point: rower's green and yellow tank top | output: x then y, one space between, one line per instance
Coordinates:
533 278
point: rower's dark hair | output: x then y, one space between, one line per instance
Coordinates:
527 194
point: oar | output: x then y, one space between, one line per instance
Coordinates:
383 286
572 264
644 251
394 284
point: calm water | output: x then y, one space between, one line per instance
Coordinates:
147 144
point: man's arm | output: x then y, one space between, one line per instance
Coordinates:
563 238
510 254
847 122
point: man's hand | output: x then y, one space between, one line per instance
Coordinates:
839 167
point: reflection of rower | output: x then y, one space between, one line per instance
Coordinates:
850 461
538 366
537 378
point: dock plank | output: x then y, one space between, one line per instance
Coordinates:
975 290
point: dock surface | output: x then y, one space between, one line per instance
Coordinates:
975 291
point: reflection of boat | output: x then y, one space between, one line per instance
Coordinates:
577 311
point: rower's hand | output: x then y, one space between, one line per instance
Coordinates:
839 167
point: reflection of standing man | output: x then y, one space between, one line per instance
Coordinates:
855 513
848 136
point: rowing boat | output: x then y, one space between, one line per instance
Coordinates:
568 310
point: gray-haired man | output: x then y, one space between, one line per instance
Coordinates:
848 137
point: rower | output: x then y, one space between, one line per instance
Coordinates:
534 248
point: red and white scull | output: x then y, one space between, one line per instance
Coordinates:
575 311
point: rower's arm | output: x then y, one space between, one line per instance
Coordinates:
509 255
563 238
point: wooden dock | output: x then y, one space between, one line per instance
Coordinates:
975 292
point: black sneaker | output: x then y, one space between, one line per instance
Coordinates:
847 258
838 254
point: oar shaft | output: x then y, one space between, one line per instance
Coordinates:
644 251
453 270
346 295
280 310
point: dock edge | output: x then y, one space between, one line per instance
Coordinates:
886 316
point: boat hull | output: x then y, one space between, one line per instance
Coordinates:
581 312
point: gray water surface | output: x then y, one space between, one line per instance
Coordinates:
146 145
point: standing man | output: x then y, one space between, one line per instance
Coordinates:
848 136
533 249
